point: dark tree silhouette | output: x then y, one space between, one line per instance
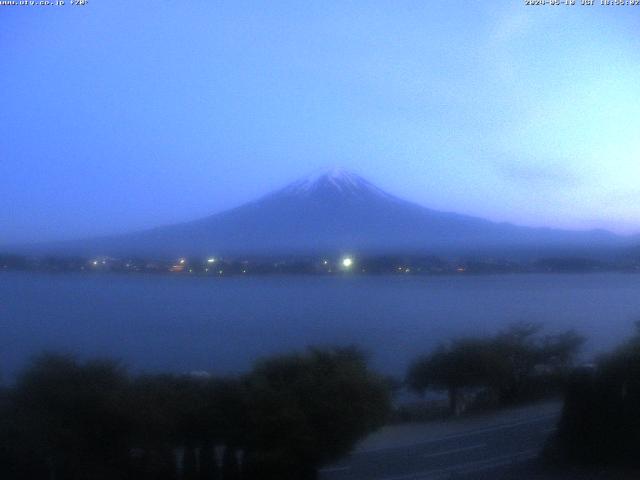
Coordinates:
464 363
73 419
601 416
311 408
513 365
67 420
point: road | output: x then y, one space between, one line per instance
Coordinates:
465 449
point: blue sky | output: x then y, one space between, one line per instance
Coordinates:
124 115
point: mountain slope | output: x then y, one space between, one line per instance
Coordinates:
337 211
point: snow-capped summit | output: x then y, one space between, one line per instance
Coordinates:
336 176
334 181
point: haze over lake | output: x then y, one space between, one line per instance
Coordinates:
157 323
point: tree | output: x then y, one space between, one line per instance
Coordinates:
517 352
72 417
560 351
525 360
509 365
601 416
190 414
68 420
463 363
308 409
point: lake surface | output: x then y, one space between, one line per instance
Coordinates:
183 324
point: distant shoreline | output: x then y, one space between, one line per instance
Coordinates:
382 265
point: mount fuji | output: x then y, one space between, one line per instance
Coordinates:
338 211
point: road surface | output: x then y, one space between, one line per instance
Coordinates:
465 448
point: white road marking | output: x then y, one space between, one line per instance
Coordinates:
468 433
454 450
468 467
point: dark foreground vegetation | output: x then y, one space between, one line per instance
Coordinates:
66 420
518 364
601 418
69 420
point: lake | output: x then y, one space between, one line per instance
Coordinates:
182 324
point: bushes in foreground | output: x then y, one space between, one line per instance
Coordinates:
515 365
69 420
600 421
